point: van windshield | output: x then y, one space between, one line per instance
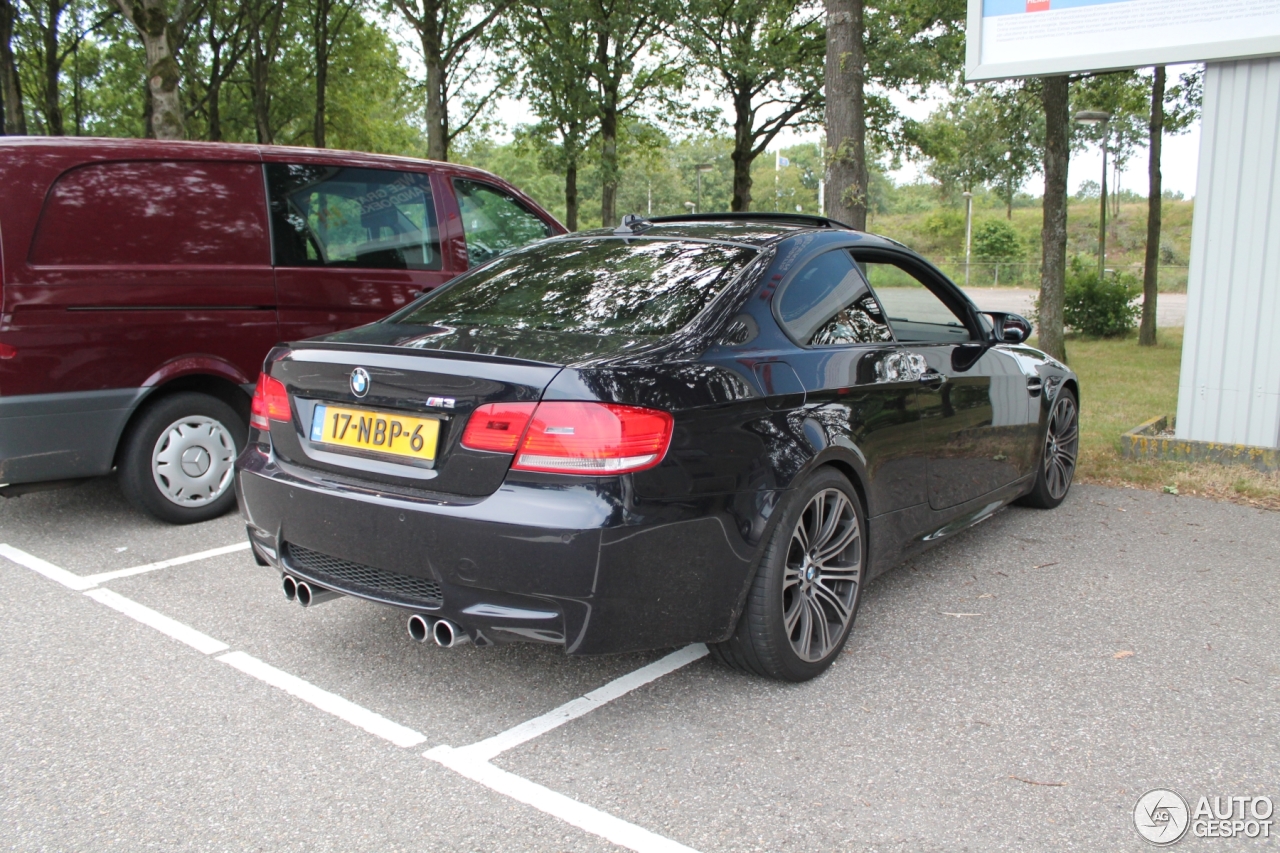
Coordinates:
601 285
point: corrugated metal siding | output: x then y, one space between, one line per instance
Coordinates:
1229 390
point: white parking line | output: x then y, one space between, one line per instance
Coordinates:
545 800
471 761
82 582
330 703
490 748
103 577
169 627
49 570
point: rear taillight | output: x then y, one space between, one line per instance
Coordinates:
593 438
270 403
7 351
497 426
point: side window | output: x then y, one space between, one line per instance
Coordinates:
827 303
494 222
332 216
915 312
154 212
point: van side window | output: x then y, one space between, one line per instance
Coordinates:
827 303
332 216
154 212
494 222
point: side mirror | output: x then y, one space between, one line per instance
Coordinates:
1009 328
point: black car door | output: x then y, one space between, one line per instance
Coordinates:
860 386
974 404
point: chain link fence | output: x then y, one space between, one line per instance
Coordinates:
1171 278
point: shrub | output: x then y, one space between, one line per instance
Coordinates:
944 224
995 240
1102 309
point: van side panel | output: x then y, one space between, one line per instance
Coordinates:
133 270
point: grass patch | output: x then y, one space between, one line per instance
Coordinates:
1122 385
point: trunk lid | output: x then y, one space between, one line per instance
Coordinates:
433 393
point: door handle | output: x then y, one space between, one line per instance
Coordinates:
1034 386
932 377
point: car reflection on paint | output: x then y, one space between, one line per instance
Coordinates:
713 428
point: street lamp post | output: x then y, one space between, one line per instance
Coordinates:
968 232
700 168
1092 117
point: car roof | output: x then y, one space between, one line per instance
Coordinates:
753 229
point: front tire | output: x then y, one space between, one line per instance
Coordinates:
176 462
807 588
1061 449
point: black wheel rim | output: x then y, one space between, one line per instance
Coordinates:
823 572
1060 447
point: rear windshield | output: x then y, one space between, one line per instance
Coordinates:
595 285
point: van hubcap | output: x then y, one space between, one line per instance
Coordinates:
192 461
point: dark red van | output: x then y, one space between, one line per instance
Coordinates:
144 283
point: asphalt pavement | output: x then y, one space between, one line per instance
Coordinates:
1016 688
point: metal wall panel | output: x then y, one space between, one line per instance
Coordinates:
1229 390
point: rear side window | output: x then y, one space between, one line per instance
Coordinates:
494 222
331 216
828 303
154 212
594 286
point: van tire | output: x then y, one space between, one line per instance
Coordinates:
176 460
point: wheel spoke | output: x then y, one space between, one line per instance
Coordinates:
823 629
833 601
806 627
838 545
831 517
790 617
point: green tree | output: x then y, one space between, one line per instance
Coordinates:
453 38
629 67
15 121
889 45
765 57
556 47
161 31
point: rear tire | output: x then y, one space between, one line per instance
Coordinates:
176 462
1058 457
807 588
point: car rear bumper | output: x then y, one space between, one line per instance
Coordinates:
572 560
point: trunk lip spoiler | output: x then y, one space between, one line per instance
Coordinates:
355 350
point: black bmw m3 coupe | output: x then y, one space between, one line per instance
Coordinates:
685 429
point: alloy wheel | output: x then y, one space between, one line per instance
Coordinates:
823 571
192 461
1061 445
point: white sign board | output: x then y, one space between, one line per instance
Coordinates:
1032 38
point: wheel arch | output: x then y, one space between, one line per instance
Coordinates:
217 386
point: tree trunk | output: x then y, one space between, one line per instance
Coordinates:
215 111
1053 261
321 33
433 62
15 121
743 142
259 79
609 162
152 22
571 196
1150 275
52 70
846 114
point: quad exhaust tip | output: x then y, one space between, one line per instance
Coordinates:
290 588
446 634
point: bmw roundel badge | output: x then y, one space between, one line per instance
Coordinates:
359 382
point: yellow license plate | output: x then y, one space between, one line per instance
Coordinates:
380 432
